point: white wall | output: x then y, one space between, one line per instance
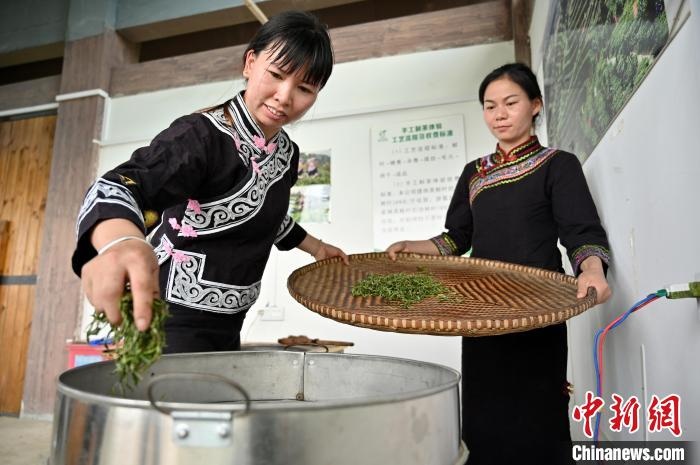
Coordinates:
644 177
358 95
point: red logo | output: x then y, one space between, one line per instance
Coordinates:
662 413
586 411
626 414
665 414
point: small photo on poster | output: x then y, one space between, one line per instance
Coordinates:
310 198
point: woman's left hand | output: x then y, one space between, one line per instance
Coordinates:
592 275
328 251
320 250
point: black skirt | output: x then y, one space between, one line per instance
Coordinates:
188 330
515 398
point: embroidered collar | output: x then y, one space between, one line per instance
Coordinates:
248 128
501 158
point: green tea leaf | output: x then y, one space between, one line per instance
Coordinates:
134 350
405 289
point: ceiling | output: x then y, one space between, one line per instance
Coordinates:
235 26
334 13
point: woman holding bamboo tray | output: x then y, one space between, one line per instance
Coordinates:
513 205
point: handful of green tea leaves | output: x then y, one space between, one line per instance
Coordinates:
404 288
135 351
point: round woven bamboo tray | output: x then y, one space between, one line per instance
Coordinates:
493 297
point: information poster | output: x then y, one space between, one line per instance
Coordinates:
310 198
415 167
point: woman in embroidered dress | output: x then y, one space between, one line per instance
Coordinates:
212 192
513 206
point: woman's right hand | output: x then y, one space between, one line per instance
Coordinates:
423 247
104 277
395 248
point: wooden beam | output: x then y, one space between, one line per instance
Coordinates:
456 27
100 53
26 94
257 12
195 68
521 12
31 54
224 17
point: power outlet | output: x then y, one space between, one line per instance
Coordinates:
270 313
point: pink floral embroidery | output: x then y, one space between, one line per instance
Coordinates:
194 206
254 161
187 231
180 257
270 149
237 141
259 142
174 224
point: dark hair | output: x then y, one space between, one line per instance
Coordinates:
299 41
520 74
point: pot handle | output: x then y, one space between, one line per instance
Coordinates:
199 377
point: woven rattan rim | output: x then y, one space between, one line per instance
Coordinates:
510 294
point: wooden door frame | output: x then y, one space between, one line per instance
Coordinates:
26 165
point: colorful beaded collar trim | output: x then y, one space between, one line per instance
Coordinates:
499 157
527 163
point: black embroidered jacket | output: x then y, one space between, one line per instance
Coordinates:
212 195
514 207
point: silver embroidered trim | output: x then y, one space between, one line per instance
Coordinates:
104 191
285 228
160 251
217 117
244 204
241 115
186 287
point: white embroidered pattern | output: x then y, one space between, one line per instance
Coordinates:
104 191
244 204
161 250
186 287
216 116
285 228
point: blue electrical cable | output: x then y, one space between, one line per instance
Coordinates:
674 291
596 361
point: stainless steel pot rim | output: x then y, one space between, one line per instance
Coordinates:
268 406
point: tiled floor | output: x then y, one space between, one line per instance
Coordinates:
24 442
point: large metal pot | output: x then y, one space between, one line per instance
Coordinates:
261 408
